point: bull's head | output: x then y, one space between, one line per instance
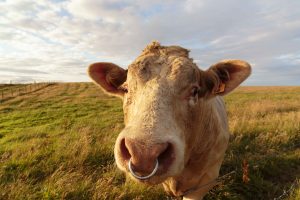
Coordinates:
167 103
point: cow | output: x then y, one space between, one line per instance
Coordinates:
176 129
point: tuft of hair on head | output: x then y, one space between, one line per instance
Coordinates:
153 47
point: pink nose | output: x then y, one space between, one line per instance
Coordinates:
143 156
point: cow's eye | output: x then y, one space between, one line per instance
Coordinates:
124 88
195 91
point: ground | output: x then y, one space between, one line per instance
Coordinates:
56 142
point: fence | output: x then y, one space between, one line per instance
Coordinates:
8 91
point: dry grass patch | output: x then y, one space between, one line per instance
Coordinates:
57 143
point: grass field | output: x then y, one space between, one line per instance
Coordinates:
57 143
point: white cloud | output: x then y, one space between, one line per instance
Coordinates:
60 38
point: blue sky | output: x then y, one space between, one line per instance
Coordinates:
56 40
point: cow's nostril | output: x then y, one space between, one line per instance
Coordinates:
166 158
124 151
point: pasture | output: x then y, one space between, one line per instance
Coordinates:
57 143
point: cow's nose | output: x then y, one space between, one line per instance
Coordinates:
143 155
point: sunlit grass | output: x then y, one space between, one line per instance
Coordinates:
57 143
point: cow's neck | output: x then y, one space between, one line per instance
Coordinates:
195 169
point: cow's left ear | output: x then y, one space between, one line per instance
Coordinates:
224 76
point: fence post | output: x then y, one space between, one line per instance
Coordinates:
2 96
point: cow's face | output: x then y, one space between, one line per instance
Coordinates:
164 99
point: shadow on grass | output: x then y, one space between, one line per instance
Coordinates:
271 170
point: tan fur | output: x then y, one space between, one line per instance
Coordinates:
159 108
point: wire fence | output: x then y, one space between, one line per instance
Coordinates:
8 91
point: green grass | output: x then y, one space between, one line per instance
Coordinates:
57 143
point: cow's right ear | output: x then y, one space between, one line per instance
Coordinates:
225 76
109 77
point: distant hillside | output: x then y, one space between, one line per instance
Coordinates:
56 142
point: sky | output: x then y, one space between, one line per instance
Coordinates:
56 40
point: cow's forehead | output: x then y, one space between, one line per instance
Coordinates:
172 63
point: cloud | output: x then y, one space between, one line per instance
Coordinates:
56 40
